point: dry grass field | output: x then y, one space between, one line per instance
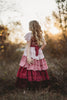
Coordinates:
57 72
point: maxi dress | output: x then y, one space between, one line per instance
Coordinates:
33 75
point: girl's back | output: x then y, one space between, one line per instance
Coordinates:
33 41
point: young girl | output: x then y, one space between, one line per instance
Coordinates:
32 72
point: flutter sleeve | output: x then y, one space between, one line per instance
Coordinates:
28 36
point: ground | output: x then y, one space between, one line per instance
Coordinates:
56 90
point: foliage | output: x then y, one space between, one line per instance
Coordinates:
62 9
57 43
56 47
3 39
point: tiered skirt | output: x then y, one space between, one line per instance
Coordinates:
32 75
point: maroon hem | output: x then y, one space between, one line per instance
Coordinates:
32 79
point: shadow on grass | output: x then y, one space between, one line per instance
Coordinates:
8 86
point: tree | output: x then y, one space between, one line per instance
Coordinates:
62 9
3 39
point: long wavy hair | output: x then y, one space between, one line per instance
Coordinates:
35 27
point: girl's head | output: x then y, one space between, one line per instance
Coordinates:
35 27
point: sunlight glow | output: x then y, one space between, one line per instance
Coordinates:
24 11
54 30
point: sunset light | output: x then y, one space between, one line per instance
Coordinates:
53 30
24 11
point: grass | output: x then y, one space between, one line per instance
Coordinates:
56 91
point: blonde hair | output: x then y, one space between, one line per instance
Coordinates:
35 27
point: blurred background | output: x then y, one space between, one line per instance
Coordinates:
14 19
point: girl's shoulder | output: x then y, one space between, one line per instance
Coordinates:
28 36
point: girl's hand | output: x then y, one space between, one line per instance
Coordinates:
42 47
29 60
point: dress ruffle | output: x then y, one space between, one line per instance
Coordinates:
29 78
32 75
36 65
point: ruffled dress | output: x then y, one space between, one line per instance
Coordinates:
33 75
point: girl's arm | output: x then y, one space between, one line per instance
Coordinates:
29 60
44 44
42 47
28 49
28 39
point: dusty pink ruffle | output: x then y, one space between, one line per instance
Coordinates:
40 64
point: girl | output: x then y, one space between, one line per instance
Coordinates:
32 72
